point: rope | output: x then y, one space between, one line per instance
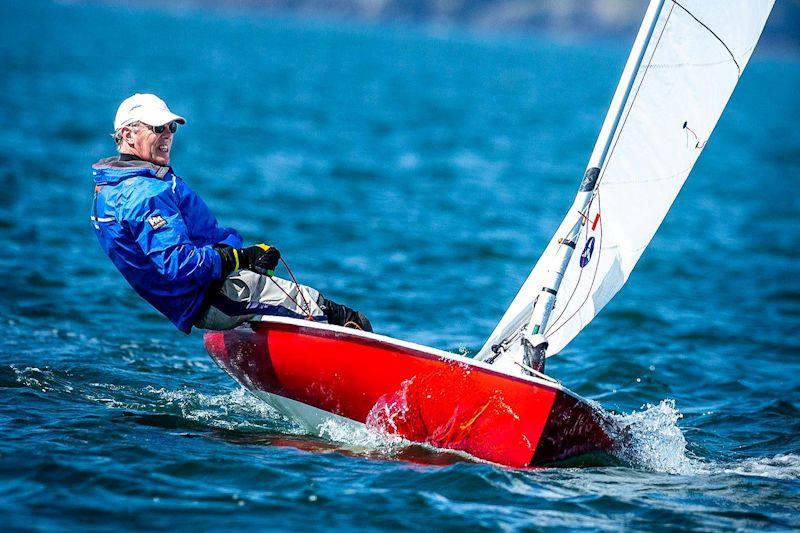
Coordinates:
739 68
554 328
563 307
299 288
305 306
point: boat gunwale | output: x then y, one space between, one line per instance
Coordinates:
324 330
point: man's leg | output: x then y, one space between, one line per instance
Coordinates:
245 295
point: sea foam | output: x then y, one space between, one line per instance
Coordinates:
652 439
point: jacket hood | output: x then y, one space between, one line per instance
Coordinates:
110 170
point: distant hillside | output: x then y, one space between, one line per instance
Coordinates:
562 17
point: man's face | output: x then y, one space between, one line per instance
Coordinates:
149 145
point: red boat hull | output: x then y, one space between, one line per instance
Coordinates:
421 394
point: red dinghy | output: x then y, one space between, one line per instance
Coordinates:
313 372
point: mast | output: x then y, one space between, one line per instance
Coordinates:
533 340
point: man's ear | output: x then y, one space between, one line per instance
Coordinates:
128 136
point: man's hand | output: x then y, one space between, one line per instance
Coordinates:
261 259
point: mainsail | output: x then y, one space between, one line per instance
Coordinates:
689 61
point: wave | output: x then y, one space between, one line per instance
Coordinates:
652 439
781 466
361 436
44 380
235 410
365 441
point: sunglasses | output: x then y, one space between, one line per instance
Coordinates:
173 127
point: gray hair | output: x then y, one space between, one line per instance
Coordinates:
117 135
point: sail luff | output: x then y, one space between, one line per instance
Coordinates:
623 91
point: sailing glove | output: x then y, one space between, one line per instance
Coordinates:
261 259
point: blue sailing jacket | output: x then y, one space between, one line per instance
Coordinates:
159 234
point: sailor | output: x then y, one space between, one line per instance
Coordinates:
166 243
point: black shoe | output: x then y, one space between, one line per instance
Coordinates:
341 315
361 322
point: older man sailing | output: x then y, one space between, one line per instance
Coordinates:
166 243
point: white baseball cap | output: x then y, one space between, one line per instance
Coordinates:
147 108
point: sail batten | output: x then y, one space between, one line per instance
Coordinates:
683 80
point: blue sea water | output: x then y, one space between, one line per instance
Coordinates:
414 176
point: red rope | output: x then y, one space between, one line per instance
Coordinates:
306 307
299 288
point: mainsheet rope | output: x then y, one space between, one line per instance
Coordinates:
306 306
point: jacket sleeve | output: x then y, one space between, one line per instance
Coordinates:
204 225
160 231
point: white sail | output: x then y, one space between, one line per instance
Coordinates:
689 69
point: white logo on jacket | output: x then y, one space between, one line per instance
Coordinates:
157 221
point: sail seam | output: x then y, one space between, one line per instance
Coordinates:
738 68
652 180
709 64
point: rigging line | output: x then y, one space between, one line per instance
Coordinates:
551 331
284 291
712 33
307 308
580 274
299 288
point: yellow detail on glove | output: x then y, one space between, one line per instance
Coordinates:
266 247
236 256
